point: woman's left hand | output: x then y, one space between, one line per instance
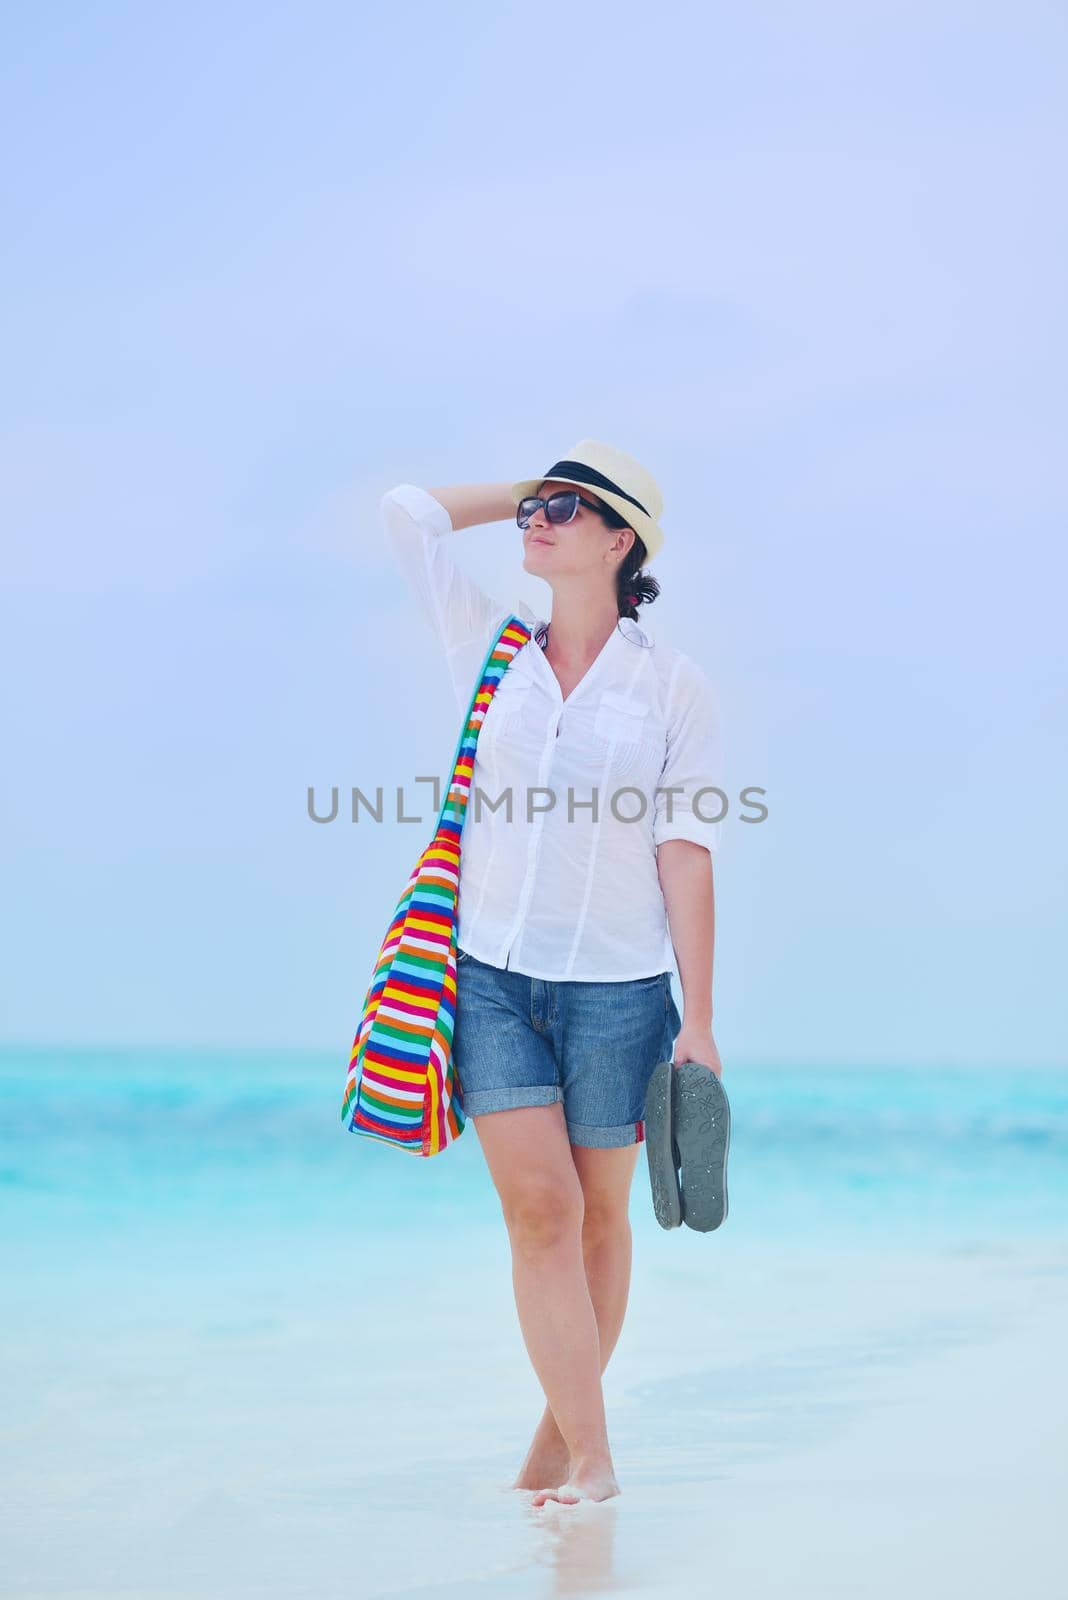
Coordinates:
697 1044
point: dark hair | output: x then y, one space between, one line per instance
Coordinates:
630 579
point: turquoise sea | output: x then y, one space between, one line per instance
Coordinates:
119 1144
251 1353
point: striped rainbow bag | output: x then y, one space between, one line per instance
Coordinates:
401 1080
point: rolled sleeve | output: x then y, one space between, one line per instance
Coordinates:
693 768
456 607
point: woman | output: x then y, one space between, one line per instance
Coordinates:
586 860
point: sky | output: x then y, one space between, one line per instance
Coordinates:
261 263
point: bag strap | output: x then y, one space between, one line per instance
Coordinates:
509 639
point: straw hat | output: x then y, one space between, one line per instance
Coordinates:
618 479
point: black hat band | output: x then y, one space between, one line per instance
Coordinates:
596 480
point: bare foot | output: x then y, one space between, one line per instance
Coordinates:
593 1483
543 1468
548 1460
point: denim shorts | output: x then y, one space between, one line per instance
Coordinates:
523 1041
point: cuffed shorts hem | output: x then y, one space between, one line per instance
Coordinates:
486 1101
535 1094
606 1138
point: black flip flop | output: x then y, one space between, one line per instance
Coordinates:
687 1138
660 1146
702 1118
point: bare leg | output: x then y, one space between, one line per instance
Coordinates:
542 1198
607 1251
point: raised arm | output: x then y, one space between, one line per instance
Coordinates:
469 504
416 522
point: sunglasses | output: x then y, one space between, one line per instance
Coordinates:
560 507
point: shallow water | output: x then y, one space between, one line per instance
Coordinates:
256 1354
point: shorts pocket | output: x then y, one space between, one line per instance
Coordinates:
671 1010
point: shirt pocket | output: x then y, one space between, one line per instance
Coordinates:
508 709
622 732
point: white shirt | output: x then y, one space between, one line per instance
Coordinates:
540 894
